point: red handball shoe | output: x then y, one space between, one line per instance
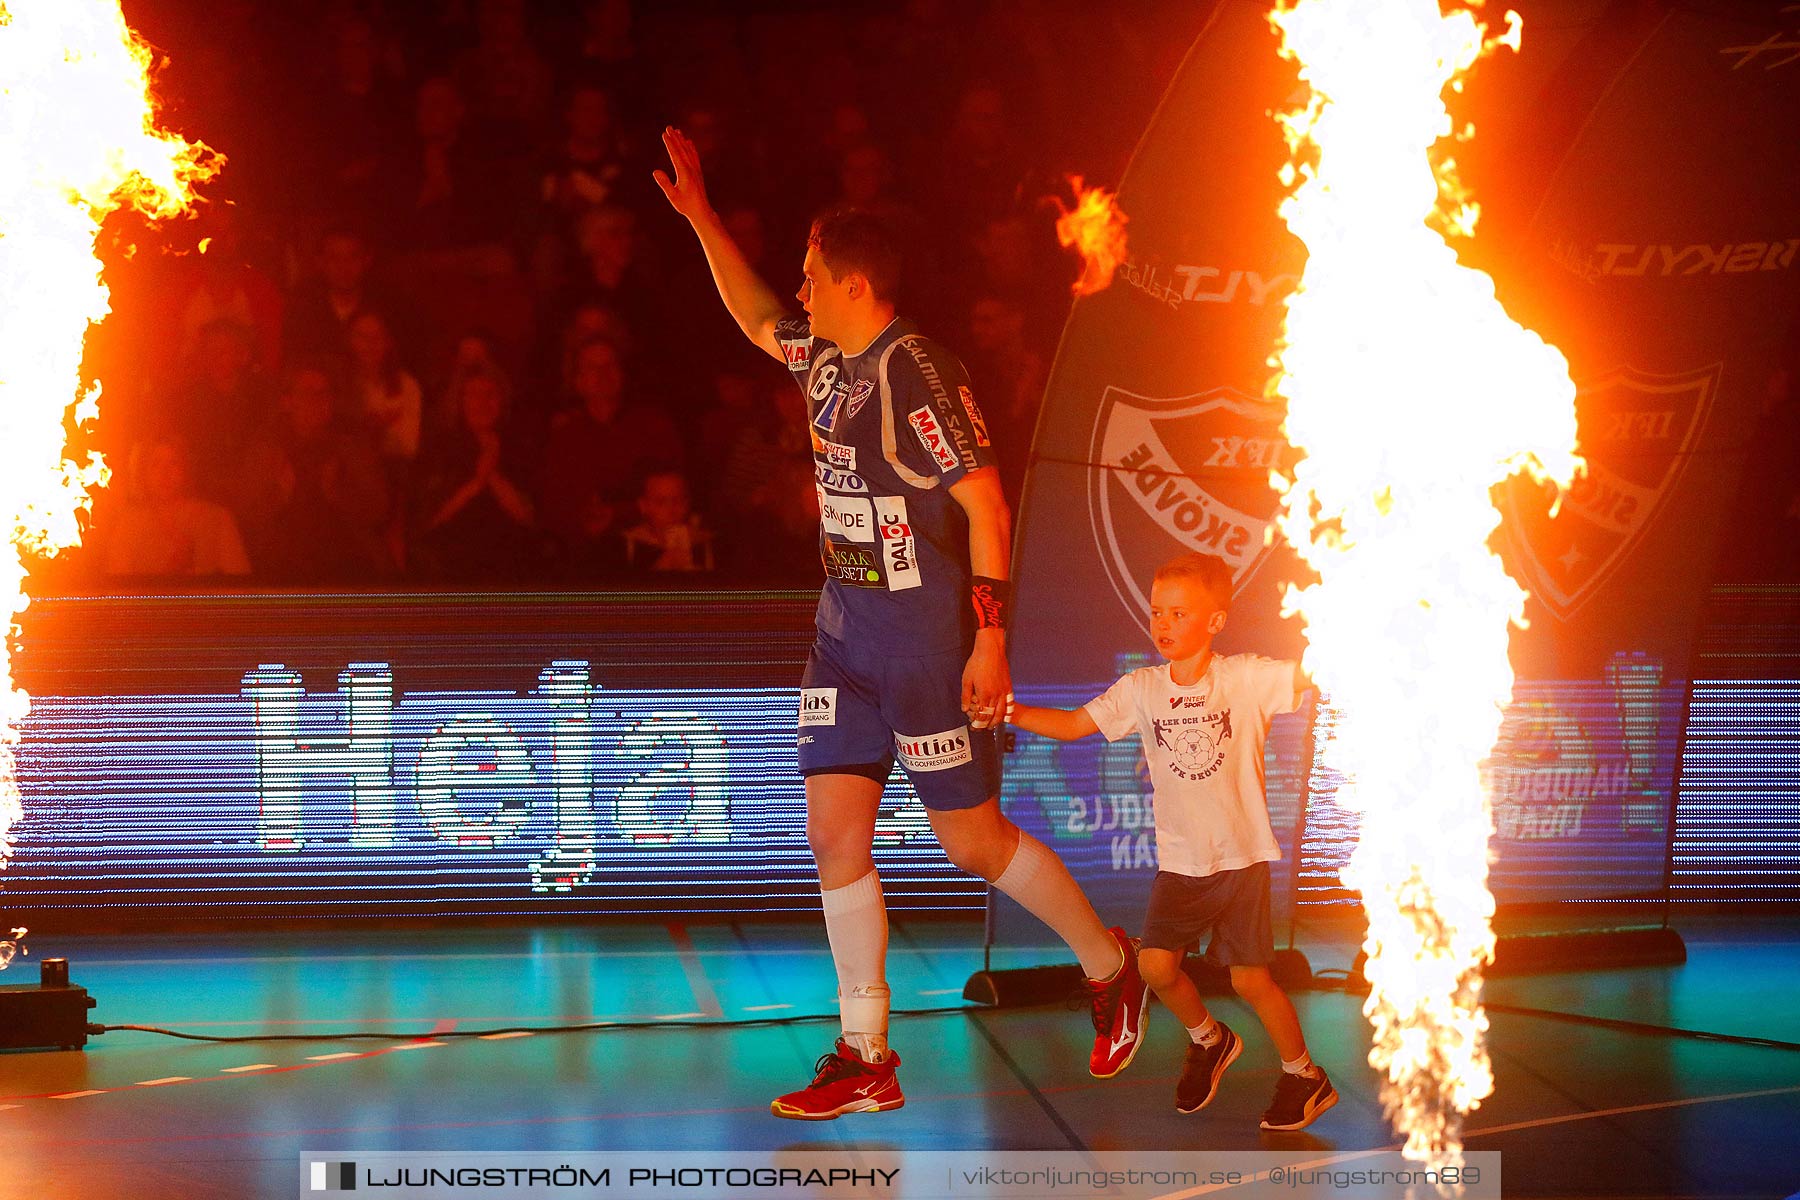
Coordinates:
843 1083
1118 1010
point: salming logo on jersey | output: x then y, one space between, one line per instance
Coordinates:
962 443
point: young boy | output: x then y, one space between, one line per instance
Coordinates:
1203 719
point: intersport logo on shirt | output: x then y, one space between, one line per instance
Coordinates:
935 751
839 457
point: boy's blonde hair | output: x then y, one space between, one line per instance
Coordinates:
1212 572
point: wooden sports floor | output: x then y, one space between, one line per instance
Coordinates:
718 1017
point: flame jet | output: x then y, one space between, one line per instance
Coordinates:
1411 394
78 139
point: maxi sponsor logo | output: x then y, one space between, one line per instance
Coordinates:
797 354
1638 432
935 751
930 429
947 416
1173 475
897 547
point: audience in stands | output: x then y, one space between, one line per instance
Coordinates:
499 360
669 535
161 528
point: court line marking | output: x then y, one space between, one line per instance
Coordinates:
1563 1119
765 1007
1629 1109
583 1118
312 1064
160 1082
356 1022
500 1037
772 952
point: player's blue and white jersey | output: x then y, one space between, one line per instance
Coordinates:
891 429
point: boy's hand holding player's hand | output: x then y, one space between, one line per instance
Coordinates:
986 681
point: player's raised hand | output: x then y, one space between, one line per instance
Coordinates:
687 192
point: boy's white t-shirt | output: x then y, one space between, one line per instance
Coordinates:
1204 744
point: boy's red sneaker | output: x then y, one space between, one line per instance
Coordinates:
843 1083
1118 1012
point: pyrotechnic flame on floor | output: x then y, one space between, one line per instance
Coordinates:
11 945
78 139
1411 394
1095 227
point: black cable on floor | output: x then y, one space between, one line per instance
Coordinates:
1702 1035
748 1023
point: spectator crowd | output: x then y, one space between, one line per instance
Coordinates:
435 325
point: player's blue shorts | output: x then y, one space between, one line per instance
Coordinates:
860 711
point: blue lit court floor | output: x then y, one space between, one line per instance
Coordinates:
1580 1110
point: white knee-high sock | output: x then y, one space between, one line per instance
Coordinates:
857 926
1037 879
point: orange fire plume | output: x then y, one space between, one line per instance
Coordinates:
78 138
1411 394
1095 227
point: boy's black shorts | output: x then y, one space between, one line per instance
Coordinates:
1232 905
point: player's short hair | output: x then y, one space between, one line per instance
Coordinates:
851 239
1212 572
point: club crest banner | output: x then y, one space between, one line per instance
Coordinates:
1638 181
